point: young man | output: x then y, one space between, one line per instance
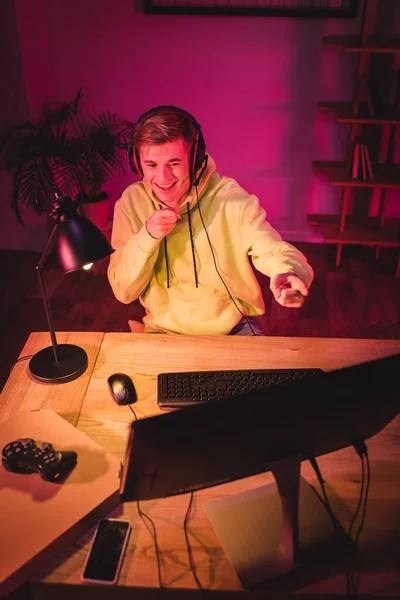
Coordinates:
183 236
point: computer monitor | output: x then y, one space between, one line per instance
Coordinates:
236 437
271 529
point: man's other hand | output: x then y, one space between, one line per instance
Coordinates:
288 290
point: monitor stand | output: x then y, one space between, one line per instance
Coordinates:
273 529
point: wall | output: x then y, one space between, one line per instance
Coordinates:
14 108
252 82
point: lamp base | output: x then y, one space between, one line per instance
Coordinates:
72 362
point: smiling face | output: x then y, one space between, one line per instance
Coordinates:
166 168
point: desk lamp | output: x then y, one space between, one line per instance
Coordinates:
79 244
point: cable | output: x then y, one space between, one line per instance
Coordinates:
19 360
351 578
4 368
134 414
324 498
143 516
395 324
360 447
362 451
216 268
360 501
189 549
364 508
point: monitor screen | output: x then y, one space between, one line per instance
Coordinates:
239 436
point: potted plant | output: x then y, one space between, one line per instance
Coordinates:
62 149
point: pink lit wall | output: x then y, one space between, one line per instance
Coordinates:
252 82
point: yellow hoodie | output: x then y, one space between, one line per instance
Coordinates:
183 280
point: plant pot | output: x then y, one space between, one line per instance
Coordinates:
97 212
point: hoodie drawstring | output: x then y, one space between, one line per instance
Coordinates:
165 254
192 245
166 259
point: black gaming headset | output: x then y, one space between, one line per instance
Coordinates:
198 157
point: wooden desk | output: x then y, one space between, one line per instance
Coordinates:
21 392
142 357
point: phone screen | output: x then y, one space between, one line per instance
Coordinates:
106 553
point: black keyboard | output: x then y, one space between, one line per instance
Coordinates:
178 390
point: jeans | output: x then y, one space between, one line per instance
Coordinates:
246 326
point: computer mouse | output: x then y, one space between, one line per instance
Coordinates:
122 388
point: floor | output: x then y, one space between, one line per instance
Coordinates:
358 299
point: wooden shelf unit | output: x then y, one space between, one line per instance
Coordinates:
369 232
343 229
343 112
385 176
372 44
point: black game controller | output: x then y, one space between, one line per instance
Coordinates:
27 456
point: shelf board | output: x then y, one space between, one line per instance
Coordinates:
374 45
385 176
366 233
344 113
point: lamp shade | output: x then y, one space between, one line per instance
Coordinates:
80 242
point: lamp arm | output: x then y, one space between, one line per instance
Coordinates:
40 271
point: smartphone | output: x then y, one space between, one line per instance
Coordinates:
104 560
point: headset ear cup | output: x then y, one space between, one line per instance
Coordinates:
193 158
200 152
198 156
136 160
131 160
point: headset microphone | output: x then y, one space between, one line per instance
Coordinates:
197 180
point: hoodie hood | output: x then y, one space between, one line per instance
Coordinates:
191 198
